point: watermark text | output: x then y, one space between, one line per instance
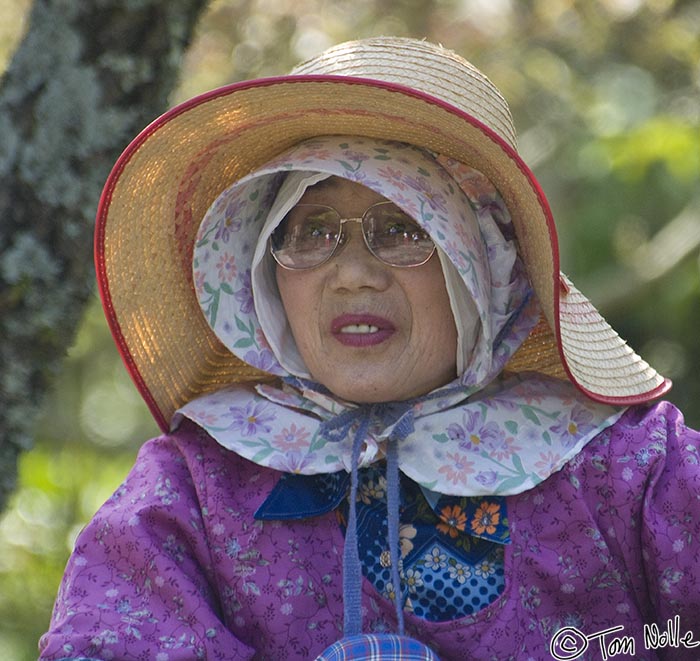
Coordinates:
570 643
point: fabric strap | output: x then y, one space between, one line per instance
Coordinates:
392 495
352 567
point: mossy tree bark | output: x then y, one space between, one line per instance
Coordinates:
87 77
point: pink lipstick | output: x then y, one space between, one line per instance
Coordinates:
361 330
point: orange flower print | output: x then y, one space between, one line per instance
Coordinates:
454 520
486 518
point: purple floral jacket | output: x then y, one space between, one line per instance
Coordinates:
604 562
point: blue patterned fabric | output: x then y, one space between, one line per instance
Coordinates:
377 647
451 546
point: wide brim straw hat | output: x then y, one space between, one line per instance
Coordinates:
400 89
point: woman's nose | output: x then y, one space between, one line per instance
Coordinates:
354 266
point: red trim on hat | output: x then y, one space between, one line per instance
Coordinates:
630 400
106 298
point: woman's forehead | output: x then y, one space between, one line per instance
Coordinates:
335 189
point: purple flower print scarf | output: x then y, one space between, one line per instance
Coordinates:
478 435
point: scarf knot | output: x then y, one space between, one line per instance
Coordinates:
385 420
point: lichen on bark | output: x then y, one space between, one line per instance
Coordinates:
86 77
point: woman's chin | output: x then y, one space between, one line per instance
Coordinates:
368 391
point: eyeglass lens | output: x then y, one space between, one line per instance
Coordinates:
310 233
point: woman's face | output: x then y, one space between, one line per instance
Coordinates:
367 331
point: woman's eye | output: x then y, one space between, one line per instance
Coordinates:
397 228
404 228
317 230
391 222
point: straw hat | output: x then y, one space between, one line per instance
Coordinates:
400 89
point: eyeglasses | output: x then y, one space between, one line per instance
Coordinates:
310 234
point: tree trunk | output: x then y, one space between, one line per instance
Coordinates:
88 76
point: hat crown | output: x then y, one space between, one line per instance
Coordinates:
422 66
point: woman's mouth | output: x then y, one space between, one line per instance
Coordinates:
361 330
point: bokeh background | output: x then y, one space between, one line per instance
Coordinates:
606 99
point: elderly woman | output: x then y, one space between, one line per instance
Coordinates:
392 428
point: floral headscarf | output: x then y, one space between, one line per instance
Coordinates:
472 437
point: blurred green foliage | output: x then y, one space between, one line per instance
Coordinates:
606 97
